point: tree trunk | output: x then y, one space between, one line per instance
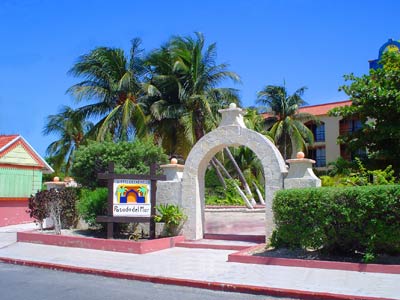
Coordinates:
218 172
244 197
217 162
260 196
241 176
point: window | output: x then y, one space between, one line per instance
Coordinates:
319 134
319 155
350 156
349 126
318 131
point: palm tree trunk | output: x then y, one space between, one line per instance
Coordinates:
284 148
218 172
244 197
219 164
241 176
260 196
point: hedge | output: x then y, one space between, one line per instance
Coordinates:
91 204
339 220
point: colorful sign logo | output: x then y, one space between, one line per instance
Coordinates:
132 193
131 198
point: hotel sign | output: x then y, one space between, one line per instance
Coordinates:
131 198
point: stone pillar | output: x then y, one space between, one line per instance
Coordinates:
170 190
55 184
300 173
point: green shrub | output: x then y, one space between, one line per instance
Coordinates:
220 196
172 216
129 157
361 176
92 203
339 220
211 179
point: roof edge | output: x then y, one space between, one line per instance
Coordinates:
10 143
323 104
48 167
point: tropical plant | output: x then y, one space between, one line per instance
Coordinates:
186 76
359 175
288 129
115 84
172 216
71 129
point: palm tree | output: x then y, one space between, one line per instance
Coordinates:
115 84
288 129
187 78
71 129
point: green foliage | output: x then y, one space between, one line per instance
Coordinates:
375 102
287 124
70 127
339 220
220 196
359 176
211 179
340 167
113 83
92 203
129 157
172 216
39 206
187 79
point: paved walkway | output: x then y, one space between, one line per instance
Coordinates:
245 222
205 265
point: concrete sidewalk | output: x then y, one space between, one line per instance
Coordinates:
203 268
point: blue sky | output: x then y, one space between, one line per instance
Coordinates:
304 42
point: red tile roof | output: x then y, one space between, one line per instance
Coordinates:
5 139
322 109
319 109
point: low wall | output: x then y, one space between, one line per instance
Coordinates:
140 247
13 211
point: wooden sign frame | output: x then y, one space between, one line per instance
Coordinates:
110 219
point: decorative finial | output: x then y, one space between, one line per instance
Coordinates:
232 105
300 155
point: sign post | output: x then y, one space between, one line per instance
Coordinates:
131 198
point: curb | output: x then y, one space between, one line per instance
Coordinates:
192 245
244 256
217 286
125 246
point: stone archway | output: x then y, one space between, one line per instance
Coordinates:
231 132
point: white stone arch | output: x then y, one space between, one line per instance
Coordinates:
231 132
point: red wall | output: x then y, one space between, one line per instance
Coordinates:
14 212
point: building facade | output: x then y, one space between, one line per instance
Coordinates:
21 170
326 148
